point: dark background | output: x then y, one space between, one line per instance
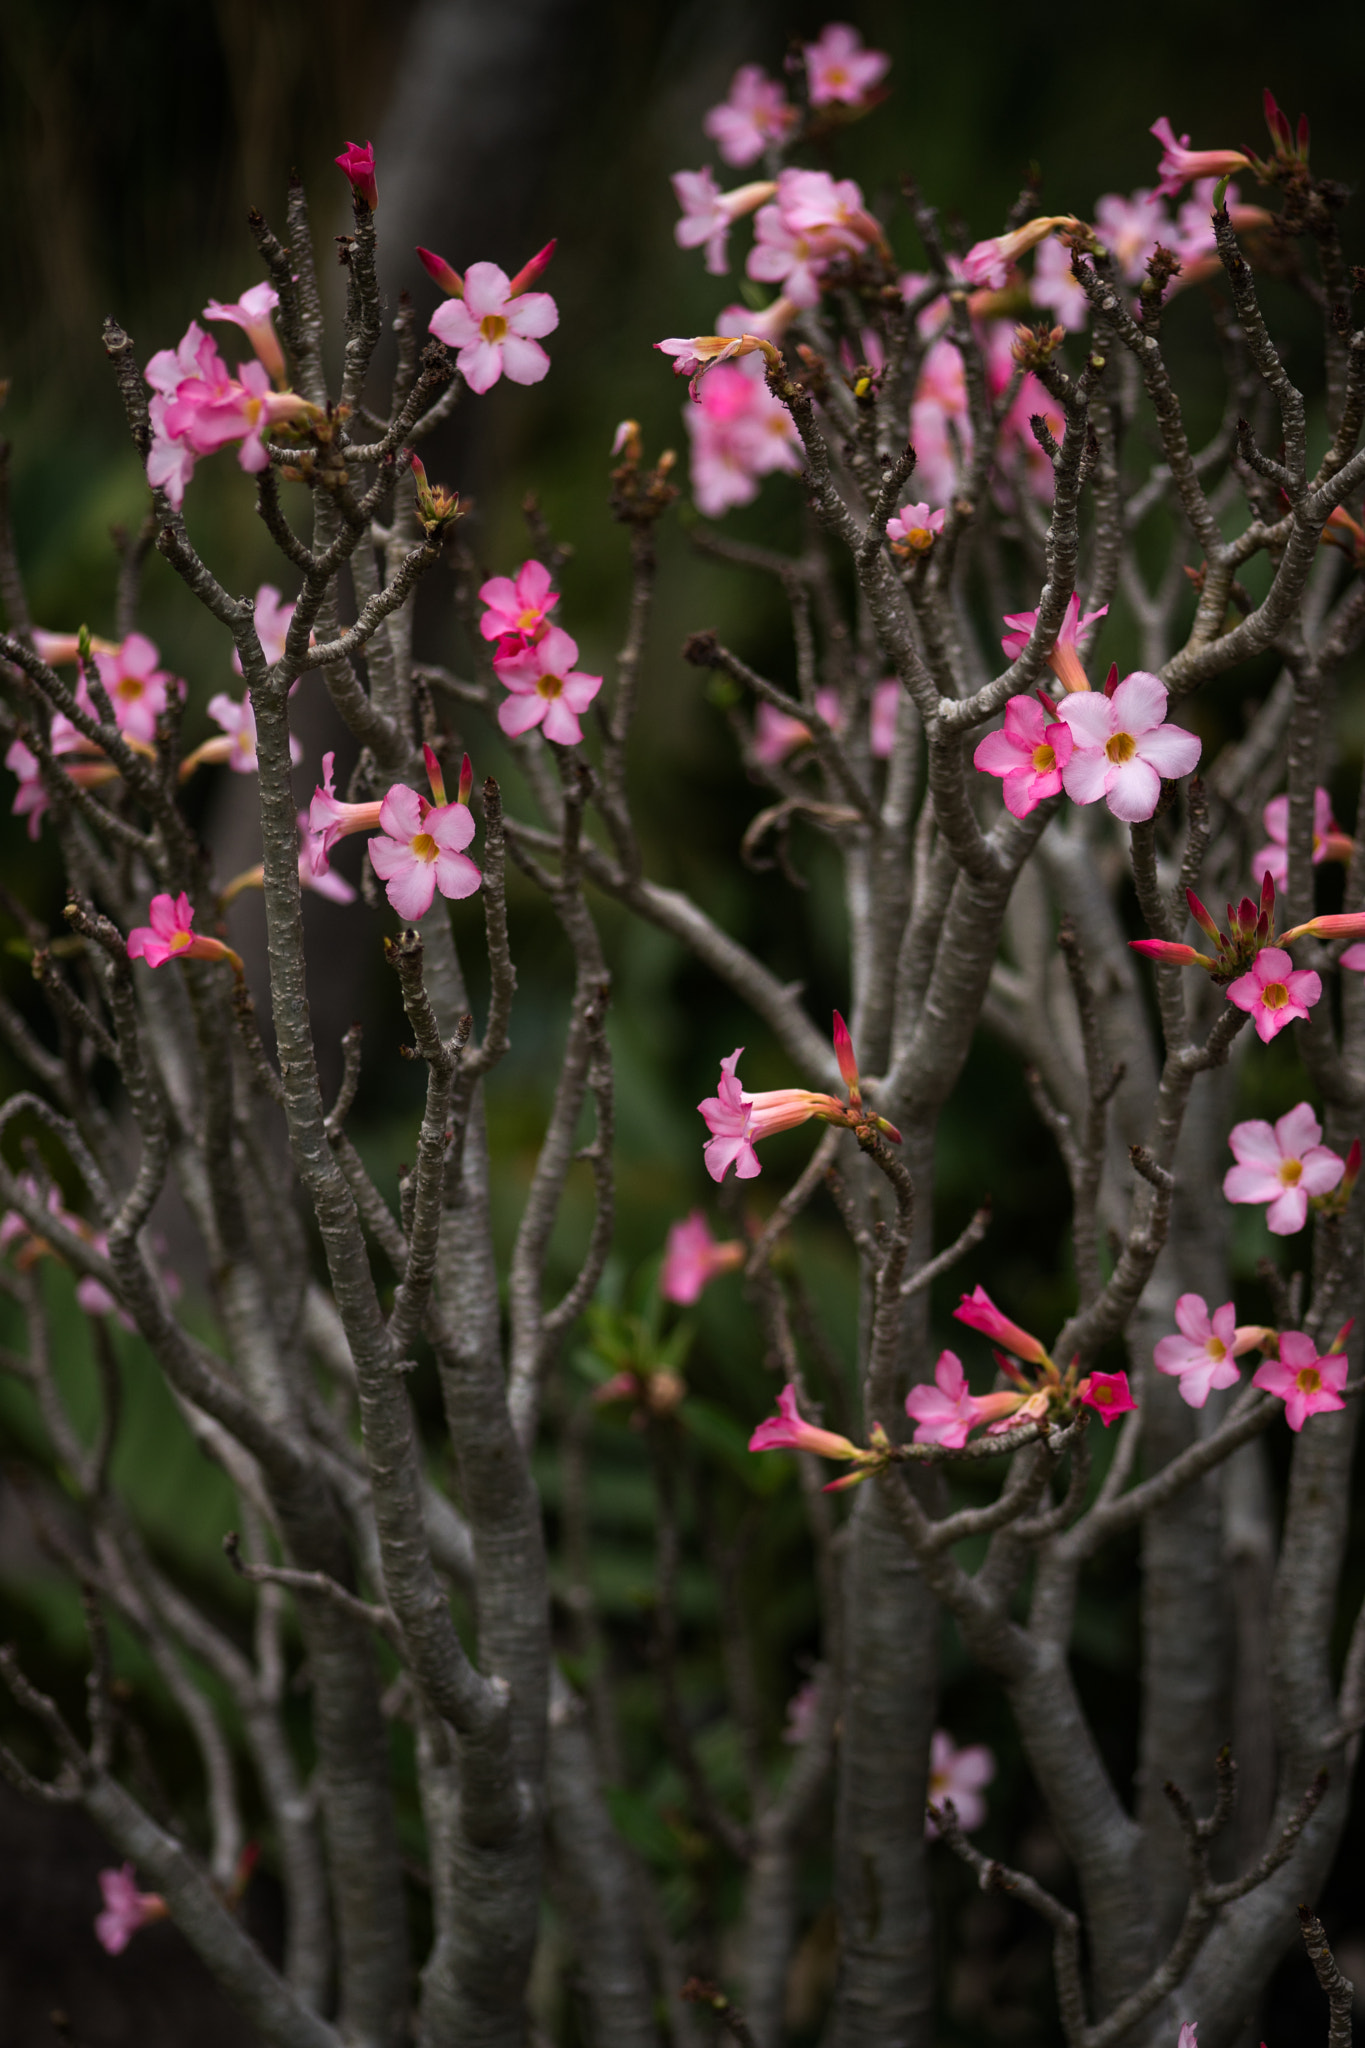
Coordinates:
133 140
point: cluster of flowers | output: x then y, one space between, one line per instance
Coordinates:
138 690
532 659
27 1246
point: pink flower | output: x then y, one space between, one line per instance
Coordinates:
693 1259
1030 752
1123 748
885 713
31 798
755 116
330 820
238 721
988 264
271 621
776 734
170 462
979 1312
252 314
496 330
802 1709
520 605
914 529
1329 841
945 1412
814 219
1108 1394
839 69
171 935
739 433
1054 285
1188 2037
1353 957
420 849
125 1909
1305 1383
137 687
1064 659
1202 1357
357 161
958 1774
1194 241
1131 228
1179 162
1274 991
1282 1164
737 1121
786 1431
708 214
546 688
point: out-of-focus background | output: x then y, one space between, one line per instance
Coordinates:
133 141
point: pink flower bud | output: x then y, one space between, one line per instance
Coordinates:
440 272
529 272
1335 925
434 775
1201 916
357 161
786 1431
979 1312
466 780
1170 954
848 1061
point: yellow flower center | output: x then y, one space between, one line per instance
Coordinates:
1291 1172
528 621
1216 1349
1274 995
179 941
549 686
1120 748
492 327
835 74
1104 1395
129 688
1309 1380
424 846
1044 759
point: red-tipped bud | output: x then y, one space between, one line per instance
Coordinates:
434 775
1277 122
1268 897
1201 916
1303 138
1352 1173
357 160
466 780
887 1130
1111 681
1049 704
1341 924
1169 954
848 1060
1338 1342
1010 1367
436 506
440 272
529 272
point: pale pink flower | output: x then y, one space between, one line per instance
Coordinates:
1188 2037
1030 752
1054 286
59 650
802 1708
420 848
940 422
546 689
238 722
357 161
737 1120
170 462
979 1312
786 1431
739 433
1203 1356
755 116
1123 747
494 330
137 687
838 68
1064 659
776 734
959 1775
945 1412
252 314
1306 1384
1274 992
31 798
708 214
212 408
1131 228
125 1909
1194 241
1282 1164
271 620
517 606
1354 958
1329 841
329 819
322 883
883 719
693 1259
987 264
1109 1394
1179 162
171 936
914 529
815 218
1017 438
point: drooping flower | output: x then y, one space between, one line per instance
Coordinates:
945 1412
329 819
838 68
357 161
754 116
137 687
776 734
495 329
125 1909
1329 841
1188 2037
419 849
988 264
1274 992
708 214
693 1259
1308 1385
1282 1164
959 1775
517 607
1030 752
914 529
1179 163
1203 1356
979 1312
737 1120
171 936
786 1431
1108 1393
1064 658
1123 747
546 689
252 314
695 354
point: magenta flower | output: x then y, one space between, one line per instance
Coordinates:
945 1412
1108 1394
420 848
125 1909
1030 752
330 820
839 70
170 462
357 161
252 314
496 330
755 116
1282 1164
1179 162
1202 1357
979 1312
137 687
693 1259
517 606
708 214
171 935
959 1775
546 689
1122 747
1308 1385
785 1431
1064 659
1329 841
1274 991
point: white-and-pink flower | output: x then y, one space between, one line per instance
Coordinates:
420 848
708 214
1282 1164
756 115
252 314
1329 841
1203 1357
1307 1384
1274 992
1123 747
839 69
960 1775
496 331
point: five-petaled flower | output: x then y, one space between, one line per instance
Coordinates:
693 1259
517 609
755 115
1273 991
1064 659
171 936
708 214
1030 752
125 1909
252 314
1109 1394
357 161
1282 1164
496 328
546 689
945 1412
419 849
1123 748
914 529
1305 1383
959 1775
1329 841
1203 1356
786 1431
137 688
1179 163
838 68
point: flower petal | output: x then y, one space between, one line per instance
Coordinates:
1134 791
